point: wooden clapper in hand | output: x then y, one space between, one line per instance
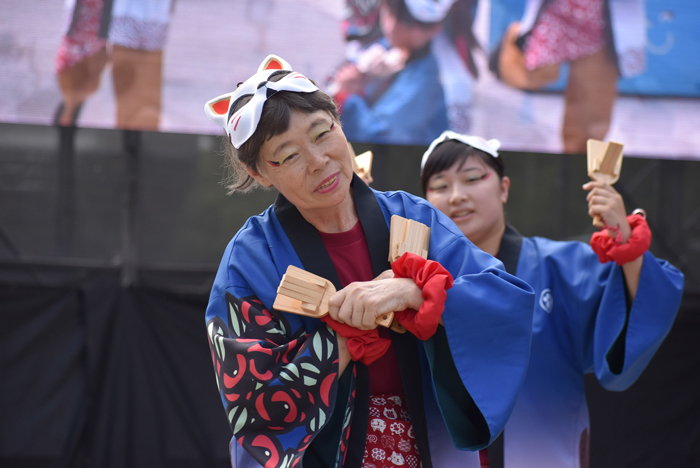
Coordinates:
362 164
407 235
604 164
304 293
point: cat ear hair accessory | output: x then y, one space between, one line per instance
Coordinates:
429 11
241 124
487 146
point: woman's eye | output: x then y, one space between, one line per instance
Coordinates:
288 158
437 188
322 134
472 179
279 163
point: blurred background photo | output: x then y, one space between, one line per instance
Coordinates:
113 215
625 70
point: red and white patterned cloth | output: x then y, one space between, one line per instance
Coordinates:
139 25
566 30
84 40
390 439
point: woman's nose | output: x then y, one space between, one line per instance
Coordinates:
316 159
457 195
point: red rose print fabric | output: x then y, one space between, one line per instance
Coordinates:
278 387
566 30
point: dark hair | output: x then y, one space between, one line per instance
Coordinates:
274 120
451 152
399 9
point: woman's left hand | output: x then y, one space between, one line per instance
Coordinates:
360 303
606 202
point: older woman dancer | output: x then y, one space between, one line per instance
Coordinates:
337 391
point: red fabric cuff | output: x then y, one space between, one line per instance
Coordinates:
609 250
364 345
434 281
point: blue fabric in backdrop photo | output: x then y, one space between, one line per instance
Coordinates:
673 42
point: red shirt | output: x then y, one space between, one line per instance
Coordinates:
350 256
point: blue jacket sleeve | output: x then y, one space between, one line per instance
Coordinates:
610 338
488 325
277 378
481 357
634 333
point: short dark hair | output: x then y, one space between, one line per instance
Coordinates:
274 120
449 152
399 9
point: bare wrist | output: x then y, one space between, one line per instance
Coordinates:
414 295
626 232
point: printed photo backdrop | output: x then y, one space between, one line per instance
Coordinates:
153 64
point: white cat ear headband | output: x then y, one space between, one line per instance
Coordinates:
241 125
429 11
487 146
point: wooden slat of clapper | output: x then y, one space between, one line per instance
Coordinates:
604 164
363 163
407 235
397 232
304 293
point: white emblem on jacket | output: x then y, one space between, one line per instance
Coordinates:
546 300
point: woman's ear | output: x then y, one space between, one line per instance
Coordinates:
259 178
505 186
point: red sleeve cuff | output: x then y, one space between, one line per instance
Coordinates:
434 281
608 250
365 346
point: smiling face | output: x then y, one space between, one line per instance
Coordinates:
472 195
310 165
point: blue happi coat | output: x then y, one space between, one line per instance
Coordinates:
278 372
582 324
410 111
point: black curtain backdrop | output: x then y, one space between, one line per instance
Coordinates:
101 375
109 243
656 422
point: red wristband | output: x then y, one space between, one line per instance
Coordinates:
434 281
609 250
365 346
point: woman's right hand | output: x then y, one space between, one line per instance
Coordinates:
360 303
387 274
604 201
